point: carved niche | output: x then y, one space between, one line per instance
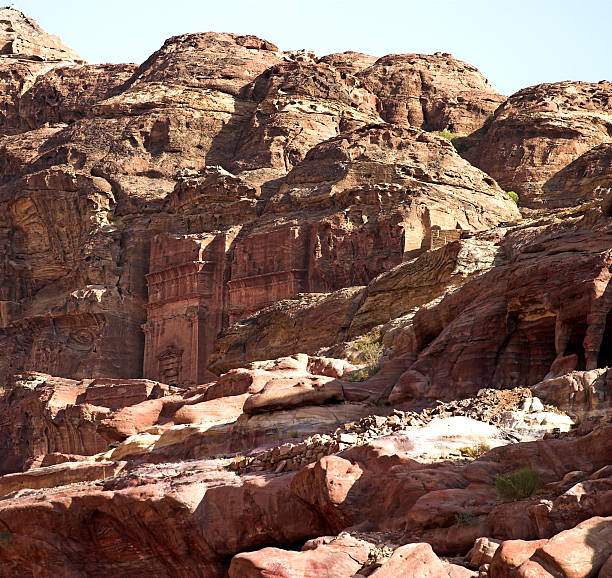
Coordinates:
170 363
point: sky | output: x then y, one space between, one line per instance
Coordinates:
514 43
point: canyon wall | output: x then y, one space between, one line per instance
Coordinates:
280 163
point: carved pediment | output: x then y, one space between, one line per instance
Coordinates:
170 353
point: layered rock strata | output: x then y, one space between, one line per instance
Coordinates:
531 143
300 204
277 162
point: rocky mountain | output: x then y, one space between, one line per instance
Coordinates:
538 133
270 314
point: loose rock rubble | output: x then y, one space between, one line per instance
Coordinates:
510 408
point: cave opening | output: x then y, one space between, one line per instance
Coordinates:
605 351
575 344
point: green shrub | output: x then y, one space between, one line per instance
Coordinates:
370 348
447 134
513 196
464 519
362 374
475 451
517 485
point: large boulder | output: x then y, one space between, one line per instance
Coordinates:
576 553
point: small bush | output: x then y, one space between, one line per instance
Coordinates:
370 348
517 485
513 196
447 134
464 519
475 451
362 374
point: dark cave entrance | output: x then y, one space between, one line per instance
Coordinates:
575 344
605 351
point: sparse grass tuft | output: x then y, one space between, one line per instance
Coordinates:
370 349
362 374
475 451
464 519
517 485
447 134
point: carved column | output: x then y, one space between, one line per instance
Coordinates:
190 373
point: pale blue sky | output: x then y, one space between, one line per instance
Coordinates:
514 43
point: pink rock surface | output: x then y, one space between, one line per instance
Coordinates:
416 560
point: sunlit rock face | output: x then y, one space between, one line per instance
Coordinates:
145 209
536 141
259 317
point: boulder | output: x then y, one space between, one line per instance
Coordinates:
415 560
341 557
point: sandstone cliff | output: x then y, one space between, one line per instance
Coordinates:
258 320
537 133
265 174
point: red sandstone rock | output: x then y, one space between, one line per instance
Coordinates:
416 560
118 211
511 555
21 37
482 552
138 160
303 324
575 553
58 475
300 105
582 391
455 540
339 557
580 502
325 485
66 94
538 132
514 521
435 92
606 569
349 62
587 178
26 52
439 508
216 410
237 382
195 500
538 301
40 417
315 321
131 516
281 394
456 571
359 238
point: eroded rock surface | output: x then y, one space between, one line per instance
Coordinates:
545 311
410 378
538 137
264 174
